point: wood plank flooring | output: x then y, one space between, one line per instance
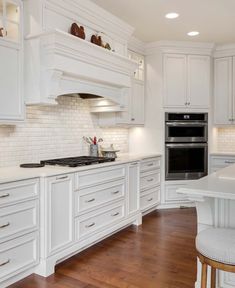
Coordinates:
158 254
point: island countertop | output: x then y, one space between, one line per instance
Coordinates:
220 184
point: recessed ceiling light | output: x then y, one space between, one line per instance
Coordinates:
193 33
172 15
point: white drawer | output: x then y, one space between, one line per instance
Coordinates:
172 196
91 197
222 162
93 222
150 164
150 179
18 255
18 191
99 176
20 218
149 199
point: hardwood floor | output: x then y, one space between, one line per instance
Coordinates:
158 254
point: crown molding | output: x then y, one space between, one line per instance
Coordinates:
224 50
184 47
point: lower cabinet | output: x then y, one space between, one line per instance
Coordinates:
60 212
150 183
218 162
171 195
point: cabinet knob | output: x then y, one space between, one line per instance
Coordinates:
132 119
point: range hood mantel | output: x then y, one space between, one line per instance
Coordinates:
60 64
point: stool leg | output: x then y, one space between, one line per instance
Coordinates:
213 277
204 276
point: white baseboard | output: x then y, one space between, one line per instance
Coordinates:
175 205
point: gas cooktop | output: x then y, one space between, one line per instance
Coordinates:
77 161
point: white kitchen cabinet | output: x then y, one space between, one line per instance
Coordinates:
133 187
11 69
60 212
186 81
171 194
218 162
224 95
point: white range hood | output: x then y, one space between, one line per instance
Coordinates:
58 63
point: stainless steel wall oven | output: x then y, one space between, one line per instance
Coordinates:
186 148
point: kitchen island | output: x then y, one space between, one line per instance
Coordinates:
214 196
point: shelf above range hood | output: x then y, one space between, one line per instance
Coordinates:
58 63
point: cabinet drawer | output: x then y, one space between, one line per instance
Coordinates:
150 164
149 199
18 218
150 179
93 222
98 176
221 162
171 194
18 255
93 196
18 191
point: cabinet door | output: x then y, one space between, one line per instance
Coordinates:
175 80
133 189
137 103
198 81
60 212
223 90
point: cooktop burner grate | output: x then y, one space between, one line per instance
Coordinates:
77 161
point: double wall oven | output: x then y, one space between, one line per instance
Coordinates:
186 145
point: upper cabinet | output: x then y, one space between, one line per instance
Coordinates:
224 94
11 69
186 81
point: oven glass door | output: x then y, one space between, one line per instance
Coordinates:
186 161
186 132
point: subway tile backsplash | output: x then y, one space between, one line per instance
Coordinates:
55 131
226 139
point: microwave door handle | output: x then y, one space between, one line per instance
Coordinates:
187 145
188 124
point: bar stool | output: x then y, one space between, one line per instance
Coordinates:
216 248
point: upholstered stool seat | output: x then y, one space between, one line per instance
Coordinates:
216 248
217 244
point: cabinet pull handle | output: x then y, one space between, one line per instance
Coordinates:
115 192
90 225
115 214
5 225
62 178
229 162
91 200
185 103
230 120
150 199
5 195
151 164
132 119
150 180
134 164
5 263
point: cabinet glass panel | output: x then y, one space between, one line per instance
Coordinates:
12 31
12 12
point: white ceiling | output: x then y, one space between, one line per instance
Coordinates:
214 19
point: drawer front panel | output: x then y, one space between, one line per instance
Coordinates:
93 196
94 222
150 179
18 191
149 199
222 161
18 255
172 195
150 164
18 219
98 176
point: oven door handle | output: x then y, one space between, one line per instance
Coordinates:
188 124
187 145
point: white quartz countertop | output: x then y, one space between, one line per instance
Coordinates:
220 184
15 173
